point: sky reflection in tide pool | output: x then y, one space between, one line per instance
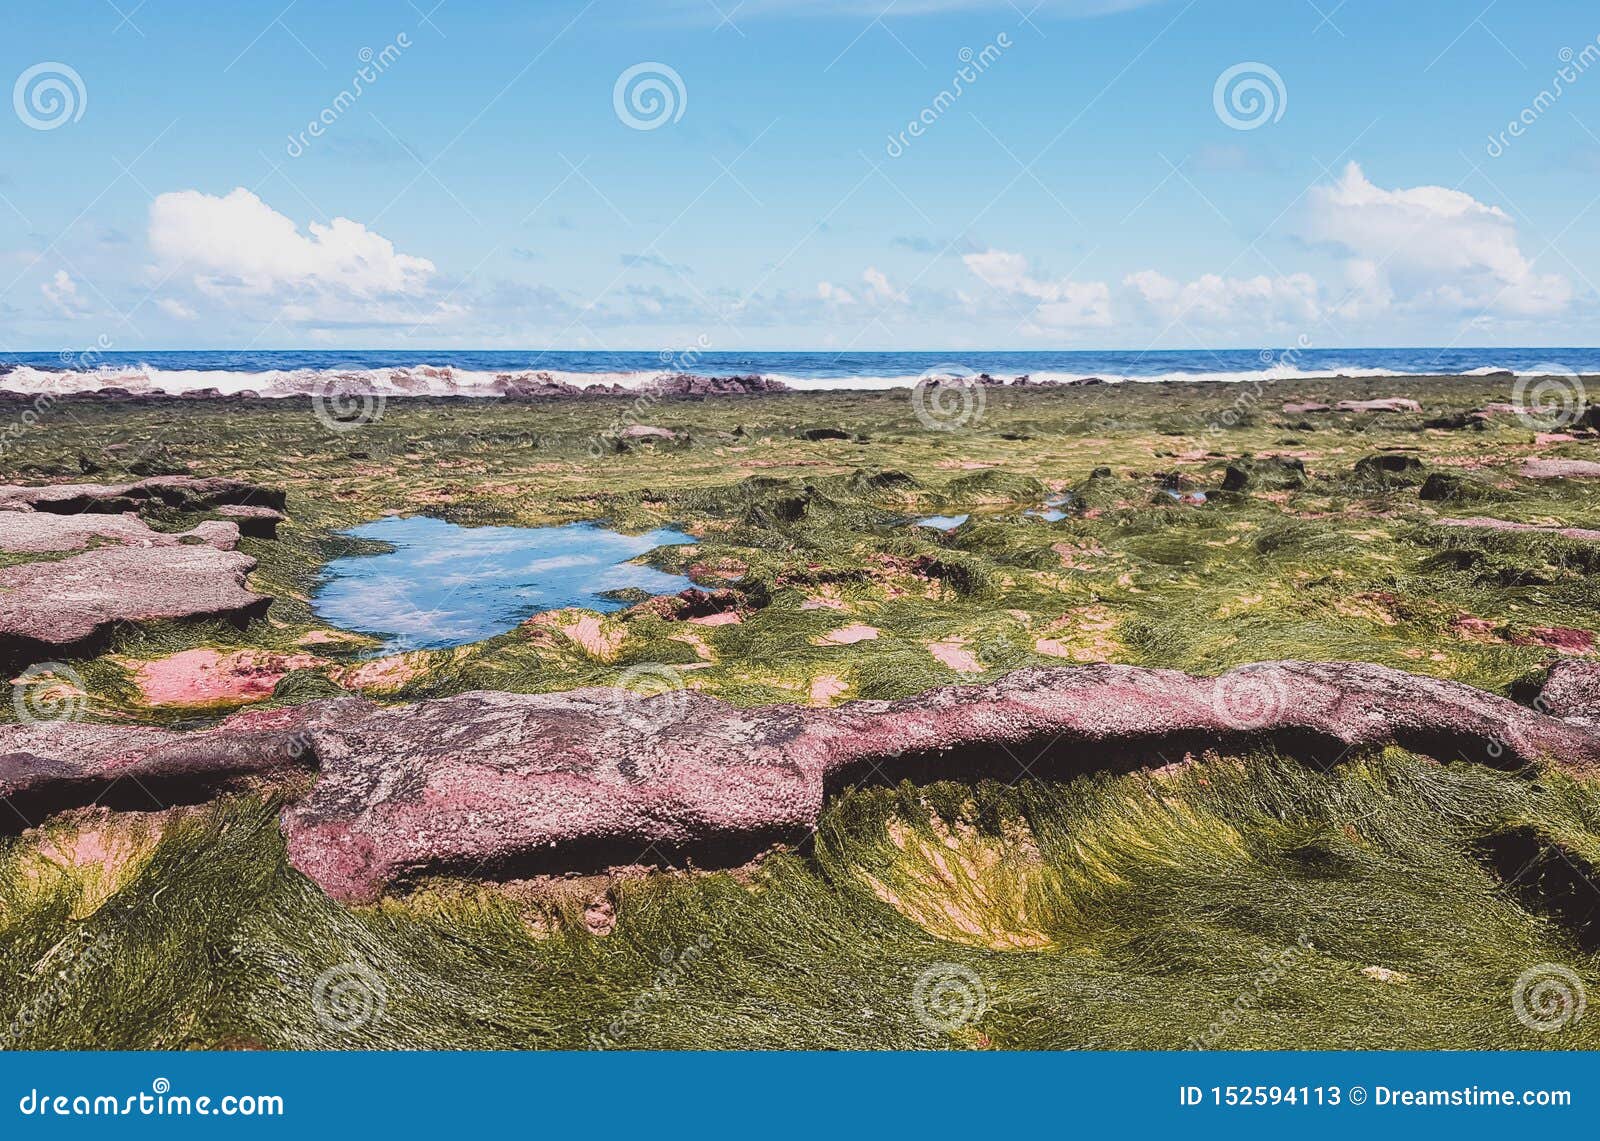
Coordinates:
446 585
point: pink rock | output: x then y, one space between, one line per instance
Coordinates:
1560 469
1562 638
509 785
850 635
725 618
1387 404
953 654
210 677
1582 534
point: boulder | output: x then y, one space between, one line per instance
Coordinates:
1571 690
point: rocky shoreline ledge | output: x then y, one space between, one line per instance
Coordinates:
499 785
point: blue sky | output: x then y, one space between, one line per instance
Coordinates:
1089 186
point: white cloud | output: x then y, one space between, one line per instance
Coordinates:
1059 304
1429 248
239 243
62 292
833 294
175 308
881 289
1213 300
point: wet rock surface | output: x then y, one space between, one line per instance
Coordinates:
40 532
65 607
500 785
188 493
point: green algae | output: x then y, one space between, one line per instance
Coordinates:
1108 912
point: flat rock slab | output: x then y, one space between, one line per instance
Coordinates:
1580 534
39 532
182 491
1560 469
1387 404
64 607
501 785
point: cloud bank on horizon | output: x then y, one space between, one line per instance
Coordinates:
1015 205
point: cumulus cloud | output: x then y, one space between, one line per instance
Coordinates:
172 307
880 288
238 242
1058 304
62 292
1215 300
1430 248
834 295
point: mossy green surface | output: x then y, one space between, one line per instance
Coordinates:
1240 904
1134 912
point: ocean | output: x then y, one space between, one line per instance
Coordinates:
469 372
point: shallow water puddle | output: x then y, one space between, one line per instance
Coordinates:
446 585
942 522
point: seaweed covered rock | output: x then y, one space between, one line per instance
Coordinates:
1453 487
1264 473
995 485
1389 469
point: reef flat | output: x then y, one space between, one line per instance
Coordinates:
1369 854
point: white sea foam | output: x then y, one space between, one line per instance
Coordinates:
441 380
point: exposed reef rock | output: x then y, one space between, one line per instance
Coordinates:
1571 691
179 491
39 532
67 607
508 785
